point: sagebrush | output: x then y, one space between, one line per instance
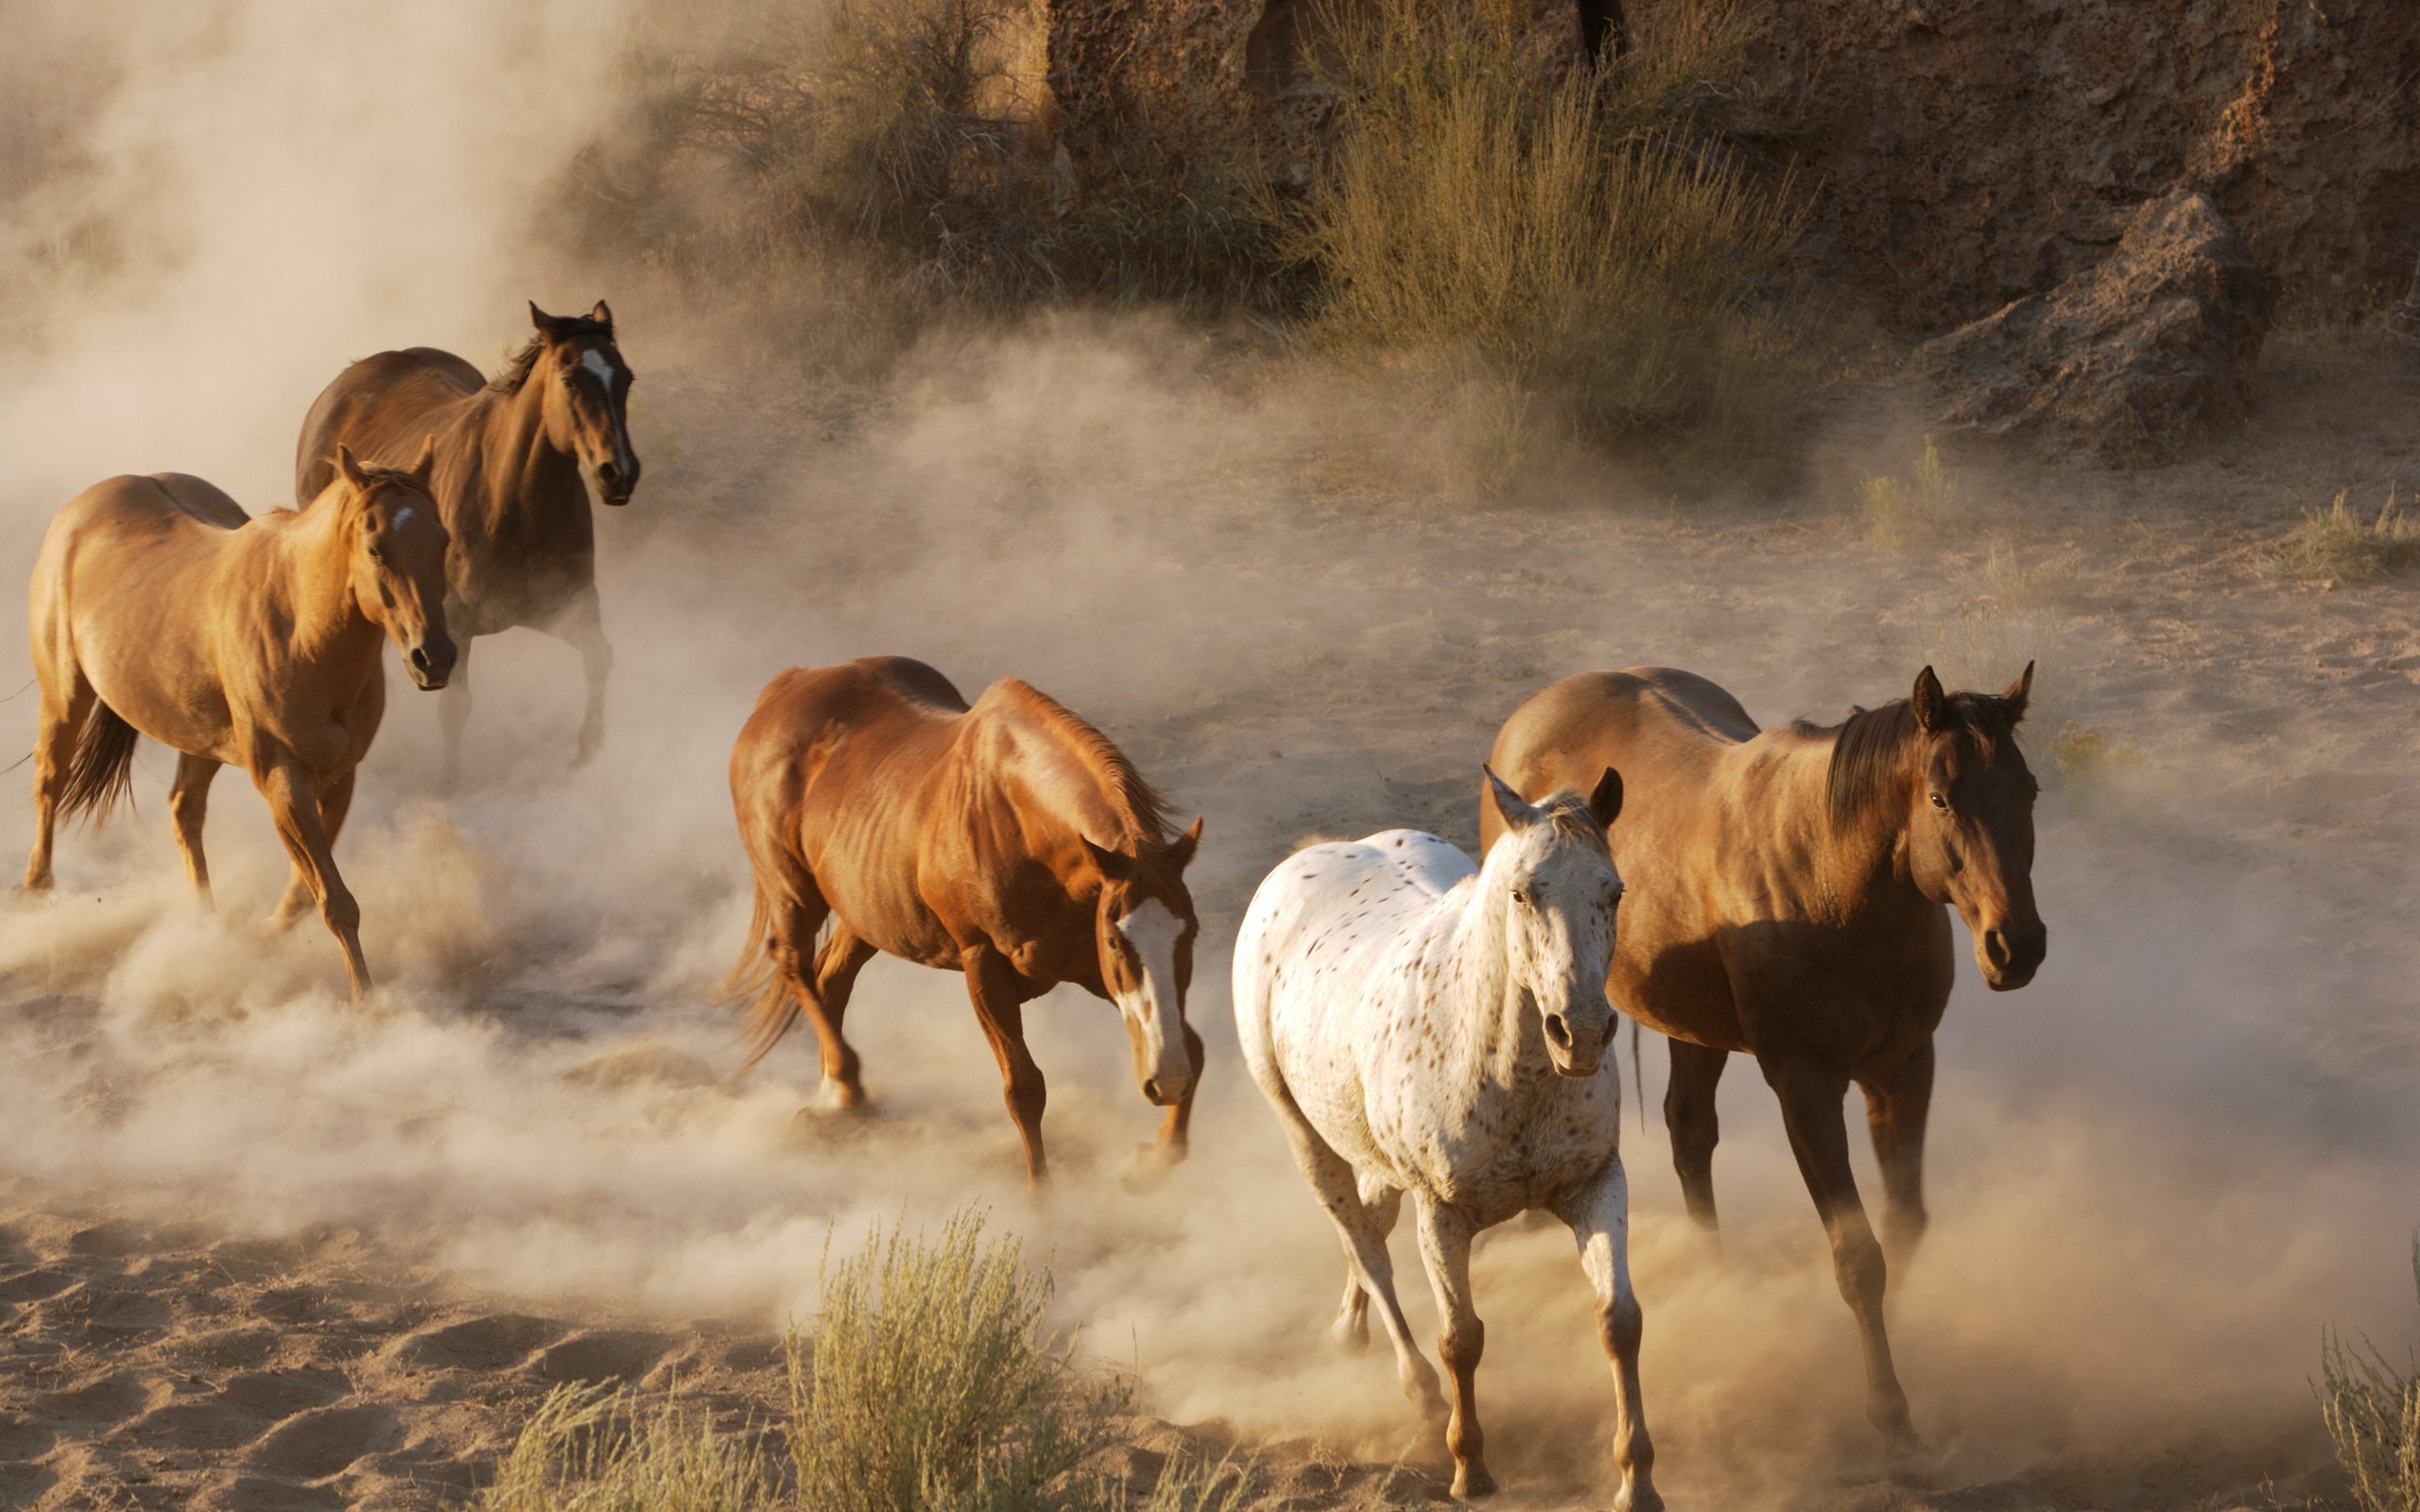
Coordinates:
2338 545
2371 1409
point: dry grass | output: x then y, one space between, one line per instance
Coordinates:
1591 245
1920 509
2371 1409
931 1386
2336 545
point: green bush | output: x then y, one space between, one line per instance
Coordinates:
2371 1409
1592 245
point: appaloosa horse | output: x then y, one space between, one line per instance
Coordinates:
159 607
1008 840
515 458
1424 1026
1788 901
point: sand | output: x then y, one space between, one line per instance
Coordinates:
259 1248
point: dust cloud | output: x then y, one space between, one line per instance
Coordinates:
2155 1173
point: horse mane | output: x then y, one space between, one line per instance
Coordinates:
1870 748
1567 813
1144 807
522 358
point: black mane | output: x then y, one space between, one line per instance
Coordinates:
524 356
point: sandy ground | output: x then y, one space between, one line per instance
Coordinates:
259 1248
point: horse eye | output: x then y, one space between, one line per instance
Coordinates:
1940 802
378 554
1521 896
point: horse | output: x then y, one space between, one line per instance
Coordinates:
1792 904
160 608
1424 1026
515 459
1007 839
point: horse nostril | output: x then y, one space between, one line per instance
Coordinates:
1559 1030
1151 1090
1996 948
419 659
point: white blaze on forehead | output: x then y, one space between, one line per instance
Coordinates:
402 514
1153 930
593 361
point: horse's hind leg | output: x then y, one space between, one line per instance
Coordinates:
1445 1249
1898 1103
335 802
836 965
1689 1115
1380 1203
1810 1094
59 723
188 804
1599 1221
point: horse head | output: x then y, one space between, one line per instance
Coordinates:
1143 927
1553 877
586 397
1970 822
396 544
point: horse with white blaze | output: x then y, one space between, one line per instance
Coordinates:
1424 1026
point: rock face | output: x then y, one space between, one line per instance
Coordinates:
1961 153
2124 365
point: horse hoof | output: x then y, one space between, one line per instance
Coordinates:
1638 1498
1471 1482
1352 1335
1148 1167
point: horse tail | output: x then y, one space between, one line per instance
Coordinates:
101 773
757 974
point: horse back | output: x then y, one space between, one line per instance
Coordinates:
1664 731
382 407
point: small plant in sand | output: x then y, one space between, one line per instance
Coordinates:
2082 754
2336 544
2371 1409
1192 1483
591 1449
932 1386
1917 510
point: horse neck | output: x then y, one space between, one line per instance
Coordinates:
1496 1035
310 572
1849 873
520 466
1071 796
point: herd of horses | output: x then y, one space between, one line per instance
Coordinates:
1421 1026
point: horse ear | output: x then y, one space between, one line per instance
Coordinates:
1605 804
540 318
602 316
2014 700
1931 703
348 466
424 466
1180 851
1115 867
1515 813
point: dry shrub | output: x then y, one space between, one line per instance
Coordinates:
934 1388
589 1449
2336 545
1917 511
2371 1409
1592 245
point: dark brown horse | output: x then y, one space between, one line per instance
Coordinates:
515 458
1786 899
1009 841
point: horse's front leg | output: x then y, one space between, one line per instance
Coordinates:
999 1006
335 802
453 712
1600 1220
583 627
1169 1149
1445 1249
189 805
293 797
1897 1102
1810 1094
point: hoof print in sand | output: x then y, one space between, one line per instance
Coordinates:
491 1343
315 1445
607 1354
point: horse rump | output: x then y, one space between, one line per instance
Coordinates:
101 773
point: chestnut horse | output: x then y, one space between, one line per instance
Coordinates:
1008 840
159 607
1788 900
515 461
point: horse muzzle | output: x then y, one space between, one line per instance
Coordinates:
617 481
1165 1092
1577 1056
430 665
2010 955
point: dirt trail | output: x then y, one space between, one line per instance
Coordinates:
259 1249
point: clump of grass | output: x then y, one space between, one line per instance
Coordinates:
1192 1483
1588 244
2371 1409
2081 754
1918 510
933 1387
2336 544
601 1450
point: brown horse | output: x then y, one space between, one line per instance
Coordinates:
1787 900
159 607
1008 840
515 461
